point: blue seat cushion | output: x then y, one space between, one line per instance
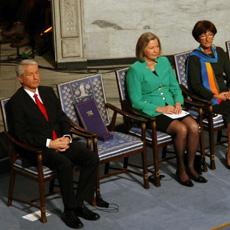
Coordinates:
32 169
119 144
218 120
161 136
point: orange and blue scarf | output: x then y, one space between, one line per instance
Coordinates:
207 73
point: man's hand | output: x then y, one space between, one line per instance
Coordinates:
60 144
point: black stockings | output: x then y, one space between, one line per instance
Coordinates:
186 135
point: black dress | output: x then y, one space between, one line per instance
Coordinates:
222 75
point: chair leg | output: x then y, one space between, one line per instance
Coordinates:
219 135
98 192
156 166
164 152
202 151
145 170
98 201
107 165
126 161
43 218
97 195
51 186
11 187
212 150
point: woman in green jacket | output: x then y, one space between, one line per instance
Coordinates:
154 90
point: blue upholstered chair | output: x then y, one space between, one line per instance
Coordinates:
38 173
153 137
121 145
210 122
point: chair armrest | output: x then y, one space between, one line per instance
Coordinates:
23 145
194 103
194 97
14 155
125 113
143 115
151 121
78 130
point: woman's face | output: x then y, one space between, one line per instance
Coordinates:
206 39
152 50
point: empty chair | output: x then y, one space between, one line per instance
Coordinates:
116 145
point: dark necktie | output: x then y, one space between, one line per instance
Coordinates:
42 108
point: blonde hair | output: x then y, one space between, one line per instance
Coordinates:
143 41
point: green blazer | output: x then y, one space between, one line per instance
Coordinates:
148 90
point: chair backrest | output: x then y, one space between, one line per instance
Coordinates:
3 111
121 82
227 43
76 90
180 60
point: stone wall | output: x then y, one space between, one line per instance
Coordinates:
112 27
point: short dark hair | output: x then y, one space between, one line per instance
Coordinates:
202 27
143 41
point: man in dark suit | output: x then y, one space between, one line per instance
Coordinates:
49 130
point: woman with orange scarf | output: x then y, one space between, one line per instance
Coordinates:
209 73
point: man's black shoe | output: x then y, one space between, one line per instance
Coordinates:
87 214
71 219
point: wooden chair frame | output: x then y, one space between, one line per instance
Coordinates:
111 126
203 107
36 174
154 141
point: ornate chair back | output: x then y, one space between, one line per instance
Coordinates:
121 145
227 44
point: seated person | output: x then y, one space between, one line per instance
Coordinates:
209 64
35 117
154 90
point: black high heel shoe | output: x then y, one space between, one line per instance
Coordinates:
187 183
199 179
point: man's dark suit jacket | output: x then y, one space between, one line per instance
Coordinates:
27 123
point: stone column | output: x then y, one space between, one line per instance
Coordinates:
67 31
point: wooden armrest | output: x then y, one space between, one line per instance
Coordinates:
194 97
194 103
125 113
139 113
78 130
22 144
